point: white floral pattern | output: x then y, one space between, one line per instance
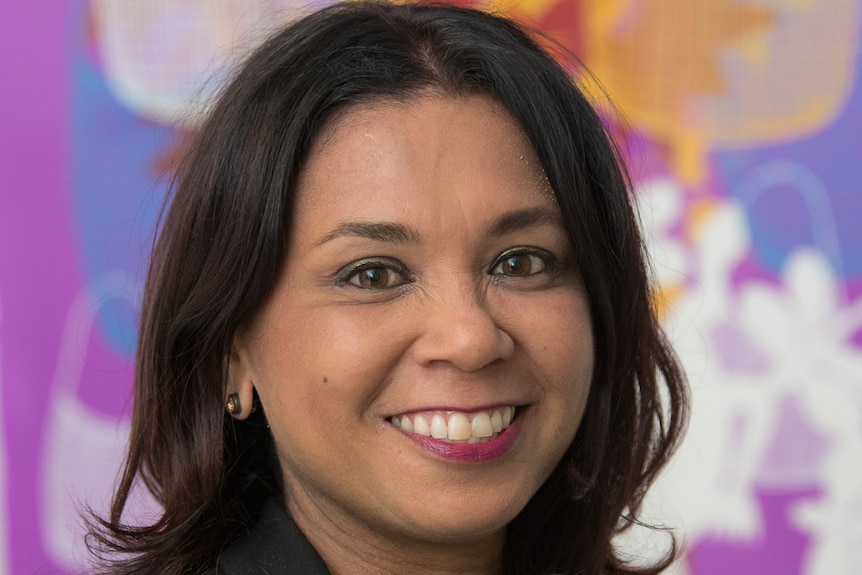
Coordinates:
776 388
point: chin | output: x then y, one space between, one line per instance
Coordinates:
468 518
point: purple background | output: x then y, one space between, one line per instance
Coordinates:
80 193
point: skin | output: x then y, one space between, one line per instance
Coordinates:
436 319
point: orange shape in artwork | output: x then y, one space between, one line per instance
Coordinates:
698 75
657 57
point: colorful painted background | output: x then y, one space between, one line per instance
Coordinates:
743 123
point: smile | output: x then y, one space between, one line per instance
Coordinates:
457 426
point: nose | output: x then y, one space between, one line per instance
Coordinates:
461 330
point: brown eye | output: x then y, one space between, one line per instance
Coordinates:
374 274
375 278
519 264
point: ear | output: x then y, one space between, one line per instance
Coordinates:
239 392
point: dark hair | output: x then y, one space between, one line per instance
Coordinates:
223 241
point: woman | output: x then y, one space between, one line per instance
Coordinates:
397 318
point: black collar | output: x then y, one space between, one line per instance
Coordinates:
273 546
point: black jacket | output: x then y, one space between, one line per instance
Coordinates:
273 546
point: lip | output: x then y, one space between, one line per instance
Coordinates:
470 452
463 409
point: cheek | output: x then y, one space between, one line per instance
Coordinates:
324 363
353 349
557 337
556 331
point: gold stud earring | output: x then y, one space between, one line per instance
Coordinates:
232 404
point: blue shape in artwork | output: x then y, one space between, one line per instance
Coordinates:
116 195
805 192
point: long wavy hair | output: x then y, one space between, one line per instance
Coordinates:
223 240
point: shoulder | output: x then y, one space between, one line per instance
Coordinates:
273 546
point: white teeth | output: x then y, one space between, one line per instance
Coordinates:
456 426
420 426
406 424
508 411
439 430
496 421
459 427
480 426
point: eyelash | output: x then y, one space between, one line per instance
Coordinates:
350 275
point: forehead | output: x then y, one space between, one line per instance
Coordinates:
469 109
428 155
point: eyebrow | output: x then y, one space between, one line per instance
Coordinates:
523 219
381 232
400 234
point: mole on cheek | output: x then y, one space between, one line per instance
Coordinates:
325 379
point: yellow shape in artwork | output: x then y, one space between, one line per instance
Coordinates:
529 9
705 74
661 54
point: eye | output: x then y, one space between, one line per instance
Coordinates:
375 278
373 274
522 262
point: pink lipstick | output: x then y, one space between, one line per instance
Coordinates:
469 452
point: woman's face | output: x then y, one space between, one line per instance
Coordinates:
426 355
